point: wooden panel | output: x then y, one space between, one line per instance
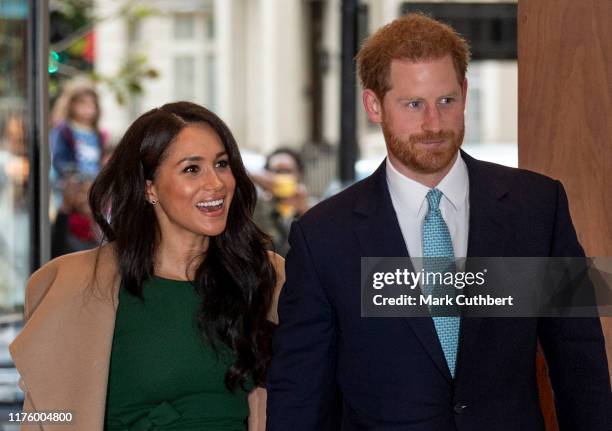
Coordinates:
565 117
565 107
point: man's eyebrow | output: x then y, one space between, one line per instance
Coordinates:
420 99
410 99
452 94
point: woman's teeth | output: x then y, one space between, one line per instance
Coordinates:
210 205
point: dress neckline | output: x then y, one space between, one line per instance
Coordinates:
170 280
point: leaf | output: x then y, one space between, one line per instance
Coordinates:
152 74
135 87
120 99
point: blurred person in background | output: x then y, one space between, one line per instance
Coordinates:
14 160
73 228
167 325
77 148
76 141
284 197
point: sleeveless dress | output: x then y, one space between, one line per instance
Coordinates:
163 376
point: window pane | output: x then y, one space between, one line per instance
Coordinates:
184 77
184 27
14 189
14 157
211 96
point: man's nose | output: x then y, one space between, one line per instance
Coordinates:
432 121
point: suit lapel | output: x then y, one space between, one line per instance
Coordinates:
488 236
489 216
379 235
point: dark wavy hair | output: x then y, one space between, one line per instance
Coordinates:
236 278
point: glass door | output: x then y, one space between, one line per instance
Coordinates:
22 80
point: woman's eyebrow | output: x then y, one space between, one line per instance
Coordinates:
199 158
190 159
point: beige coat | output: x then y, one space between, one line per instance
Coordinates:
63 351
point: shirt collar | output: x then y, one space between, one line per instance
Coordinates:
409 195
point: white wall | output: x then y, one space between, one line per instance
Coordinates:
261 71
111 49
260 66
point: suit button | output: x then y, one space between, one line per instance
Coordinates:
459 408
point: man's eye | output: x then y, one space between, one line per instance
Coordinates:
414 104
447 100
192 169
222 164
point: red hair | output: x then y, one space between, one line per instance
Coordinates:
414 37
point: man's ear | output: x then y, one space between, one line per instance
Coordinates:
150 192
373 106
464 88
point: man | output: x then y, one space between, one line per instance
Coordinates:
427 198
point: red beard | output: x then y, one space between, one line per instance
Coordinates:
415 155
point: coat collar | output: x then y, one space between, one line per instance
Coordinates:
63 351
379 235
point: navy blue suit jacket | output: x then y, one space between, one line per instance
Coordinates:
391 372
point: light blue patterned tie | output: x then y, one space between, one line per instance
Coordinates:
438 256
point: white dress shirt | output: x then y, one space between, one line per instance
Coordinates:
410 204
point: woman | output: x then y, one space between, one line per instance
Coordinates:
167 326
284 198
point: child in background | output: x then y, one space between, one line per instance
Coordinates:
77 148
76 142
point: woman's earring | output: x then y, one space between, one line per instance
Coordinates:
153 202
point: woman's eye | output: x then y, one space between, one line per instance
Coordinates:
222 163
192 169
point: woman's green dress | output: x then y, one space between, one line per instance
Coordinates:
162 375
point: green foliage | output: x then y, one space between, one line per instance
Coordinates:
71 22
128 80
